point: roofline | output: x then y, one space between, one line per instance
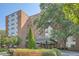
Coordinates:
16 11
35 14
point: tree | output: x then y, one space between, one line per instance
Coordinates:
2 32
7 41
15 41
71 12
53 15
4 40
50 13
31 40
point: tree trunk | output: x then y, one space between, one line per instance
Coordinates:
64 43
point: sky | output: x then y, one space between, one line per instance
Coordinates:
8 8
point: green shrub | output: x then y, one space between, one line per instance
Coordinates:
15 41
31 40
58 52
48 53
3 49
10 51
52 52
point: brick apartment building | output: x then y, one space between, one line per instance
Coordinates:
18 23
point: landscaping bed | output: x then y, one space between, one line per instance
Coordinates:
35 52
4 52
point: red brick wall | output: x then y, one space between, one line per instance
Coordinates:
7 24
22 27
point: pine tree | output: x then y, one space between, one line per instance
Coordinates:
31 40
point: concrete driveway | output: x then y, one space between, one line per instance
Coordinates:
69 53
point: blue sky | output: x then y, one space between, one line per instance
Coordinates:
6 9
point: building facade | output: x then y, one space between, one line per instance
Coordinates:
16 24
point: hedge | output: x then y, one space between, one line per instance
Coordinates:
35 52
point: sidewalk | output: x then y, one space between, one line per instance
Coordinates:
69 53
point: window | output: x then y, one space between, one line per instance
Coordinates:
72 46
12 15
12 20
12 24
12 33
12 28
17 18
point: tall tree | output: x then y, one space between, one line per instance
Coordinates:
31 40
53 14
50 13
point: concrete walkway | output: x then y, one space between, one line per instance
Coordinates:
70 53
